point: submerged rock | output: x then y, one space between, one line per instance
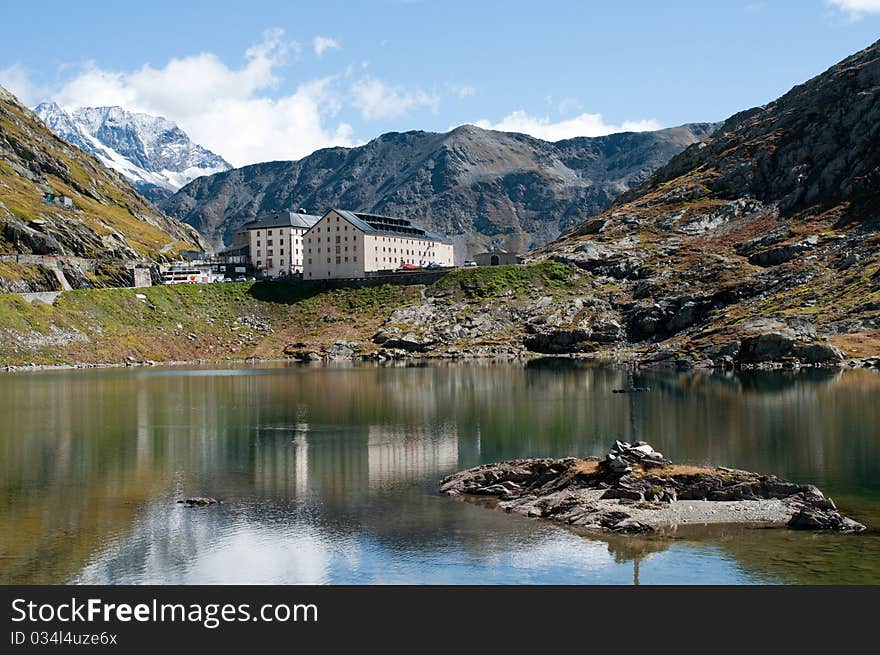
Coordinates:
199 501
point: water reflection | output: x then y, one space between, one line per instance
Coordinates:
329 474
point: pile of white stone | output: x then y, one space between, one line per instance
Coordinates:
624 456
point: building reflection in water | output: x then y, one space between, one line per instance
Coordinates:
397 454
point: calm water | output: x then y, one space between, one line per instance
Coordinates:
329 474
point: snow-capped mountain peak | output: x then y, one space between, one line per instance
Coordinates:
151 151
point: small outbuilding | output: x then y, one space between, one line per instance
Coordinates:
498 258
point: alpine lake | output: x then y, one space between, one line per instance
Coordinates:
328 474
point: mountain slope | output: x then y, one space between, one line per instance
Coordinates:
108 220
769 226
479 186
153 153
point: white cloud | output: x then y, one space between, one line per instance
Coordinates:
323 43
235 112
582 125
856 8
16 80
463 90
377 100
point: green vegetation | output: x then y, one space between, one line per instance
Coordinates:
242 320
186 322
492 281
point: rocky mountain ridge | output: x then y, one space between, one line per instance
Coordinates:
156 156
481 187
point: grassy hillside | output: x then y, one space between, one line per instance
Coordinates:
108 219
241 320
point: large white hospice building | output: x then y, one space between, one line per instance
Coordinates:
345 244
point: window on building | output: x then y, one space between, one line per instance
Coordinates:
310 261
346 260
269 254
269 232
269 242
338 260
337 249
269 263
337 238
281 263
328 261
259 253
281 251
355 258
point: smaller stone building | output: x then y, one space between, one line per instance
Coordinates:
498 258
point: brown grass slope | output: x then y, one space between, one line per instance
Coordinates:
109 218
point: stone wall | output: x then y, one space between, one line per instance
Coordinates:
416 277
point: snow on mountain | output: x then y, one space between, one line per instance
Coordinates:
152 152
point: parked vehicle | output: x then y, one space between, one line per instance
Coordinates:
433 266
408 267
470 263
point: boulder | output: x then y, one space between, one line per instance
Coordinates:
815 518
793 340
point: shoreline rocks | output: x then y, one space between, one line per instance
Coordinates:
634 489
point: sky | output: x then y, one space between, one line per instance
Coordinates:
260 81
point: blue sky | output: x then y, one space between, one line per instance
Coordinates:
258 80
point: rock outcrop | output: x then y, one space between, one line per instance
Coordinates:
635 490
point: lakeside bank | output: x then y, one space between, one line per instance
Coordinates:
543 309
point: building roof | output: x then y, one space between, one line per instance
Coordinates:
499 251
387 225
282 219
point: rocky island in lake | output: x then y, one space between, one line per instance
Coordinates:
634 489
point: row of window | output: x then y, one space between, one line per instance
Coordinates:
338 260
